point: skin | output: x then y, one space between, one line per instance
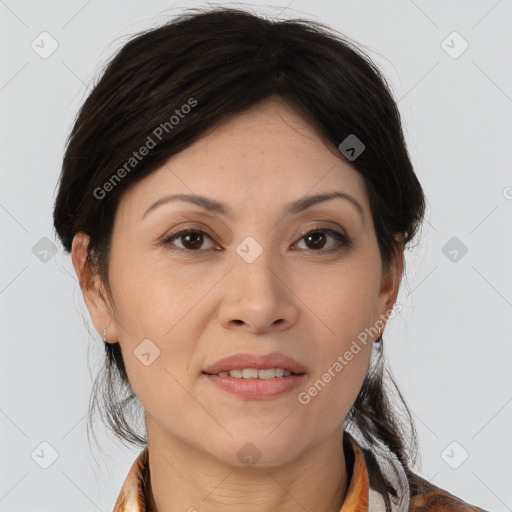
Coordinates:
210 304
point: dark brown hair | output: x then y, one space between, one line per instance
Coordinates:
220 62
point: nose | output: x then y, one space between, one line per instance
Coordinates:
256 297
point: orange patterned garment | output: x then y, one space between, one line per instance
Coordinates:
423 496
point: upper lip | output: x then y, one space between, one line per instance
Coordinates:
258 361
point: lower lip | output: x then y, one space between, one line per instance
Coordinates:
257 389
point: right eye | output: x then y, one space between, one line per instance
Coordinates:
192 239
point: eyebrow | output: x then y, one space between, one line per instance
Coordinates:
221 209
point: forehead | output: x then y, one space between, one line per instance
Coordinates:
268 153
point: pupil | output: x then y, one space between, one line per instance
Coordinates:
312 236
194 245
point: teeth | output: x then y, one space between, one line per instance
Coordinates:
253 373
250 373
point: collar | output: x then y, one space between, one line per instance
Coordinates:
360 497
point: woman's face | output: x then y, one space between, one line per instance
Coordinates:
250 282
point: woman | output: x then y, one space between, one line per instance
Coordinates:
236 196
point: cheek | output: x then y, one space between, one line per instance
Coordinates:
151 294
331 392
161 381
341 301
343 306
152 305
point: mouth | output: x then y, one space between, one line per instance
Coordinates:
255 373
274 365
252 376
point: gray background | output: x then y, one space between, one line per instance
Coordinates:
449 348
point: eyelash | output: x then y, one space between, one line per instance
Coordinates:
344 241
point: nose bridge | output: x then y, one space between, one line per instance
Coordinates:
255 266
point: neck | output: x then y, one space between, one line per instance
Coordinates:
186 479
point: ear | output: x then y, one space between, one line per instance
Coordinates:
93 290
390 285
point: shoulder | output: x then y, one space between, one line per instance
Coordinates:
425 496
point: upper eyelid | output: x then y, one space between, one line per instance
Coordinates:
301 233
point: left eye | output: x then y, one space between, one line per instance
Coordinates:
192 239
313 236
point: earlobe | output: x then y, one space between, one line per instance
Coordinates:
90 284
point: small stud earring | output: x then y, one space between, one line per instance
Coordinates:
107 346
